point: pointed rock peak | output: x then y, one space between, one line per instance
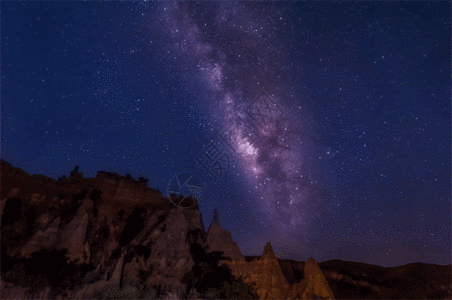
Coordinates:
311 268
215 216
215 221
312 260
316 285
268 250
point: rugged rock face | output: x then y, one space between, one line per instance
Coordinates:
108 231
314 286
353 280
292 270
220 239
77 237
264 274
269 282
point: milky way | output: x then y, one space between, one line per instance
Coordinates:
237 57
353 164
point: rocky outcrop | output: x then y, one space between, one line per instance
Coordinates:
114 231
316 286
313 286
170 257
269 282
220 239
264 274
73 235
10 291
292 270
89 235
42 239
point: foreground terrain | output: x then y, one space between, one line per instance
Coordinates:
113 237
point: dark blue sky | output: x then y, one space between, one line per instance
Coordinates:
356 166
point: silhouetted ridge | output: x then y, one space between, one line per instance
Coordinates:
81 237
268 250
215 216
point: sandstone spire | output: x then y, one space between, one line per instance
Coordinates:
316 284
220 239
264 274
312 269
268 251
215 220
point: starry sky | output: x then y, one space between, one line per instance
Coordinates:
321 127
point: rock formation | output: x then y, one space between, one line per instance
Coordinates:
264 274
314 284
113 230
94 234
80 237
292 270
220 239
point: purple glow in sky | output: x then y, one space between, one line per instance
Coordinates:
236 66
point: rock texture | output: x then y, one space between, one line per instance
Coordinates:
112 229
77 238
269 282
314 286
353 280
220 239
292 270
264 274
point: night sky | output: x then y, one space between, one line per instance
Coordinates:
323 128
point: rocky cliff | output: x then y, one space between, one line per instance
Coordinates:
114 237
220 239
79 238
273 278
264 274
314 285
110 231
